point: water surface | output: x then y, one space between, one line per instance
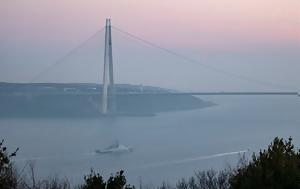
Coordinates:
167 146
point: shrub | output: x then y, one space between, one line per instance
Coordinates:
95 181
8 178
276 167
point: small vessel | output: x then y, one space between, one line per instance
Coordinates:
115 148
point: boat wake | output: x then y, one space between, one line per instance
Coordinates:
198 158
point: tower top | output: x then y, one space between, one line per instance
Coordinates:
108 22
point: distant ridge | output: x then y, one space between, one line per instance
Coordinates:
84 100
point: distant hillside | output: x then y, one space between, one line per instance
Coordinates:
84 100
74 87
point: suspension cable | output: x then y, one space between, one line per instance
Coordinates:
194 61
68 54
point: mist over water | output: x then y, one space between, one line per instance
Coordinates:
53 100
167 146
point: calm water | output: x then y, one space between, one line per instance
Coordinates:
167 146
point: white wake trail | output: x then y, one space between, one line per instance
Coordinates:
198 158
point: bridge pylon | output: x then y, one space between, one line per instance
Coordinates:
108 89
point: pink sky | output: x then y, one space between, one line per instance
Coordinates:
173 23
258 38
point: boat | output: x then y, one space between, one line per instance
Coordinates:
115 148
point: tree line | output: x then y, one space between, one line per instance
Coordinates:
277 167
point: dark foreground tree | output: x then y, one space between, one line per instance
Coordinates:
8 178
95 181
209 179
276 167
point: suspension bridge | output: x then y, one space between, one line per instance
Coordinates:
109 93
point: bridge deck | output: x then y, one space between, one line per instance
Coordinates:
170 93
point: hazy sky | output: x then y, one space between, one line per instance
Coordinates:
258 38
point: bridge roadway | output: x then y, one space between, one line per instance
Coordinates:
216 93
168 93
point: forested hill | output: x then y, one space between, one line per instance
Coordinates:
84 100
74 87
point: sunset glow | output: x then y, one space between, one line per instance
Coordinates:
207 24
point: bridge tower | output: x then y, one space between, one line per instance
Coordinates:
108 75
